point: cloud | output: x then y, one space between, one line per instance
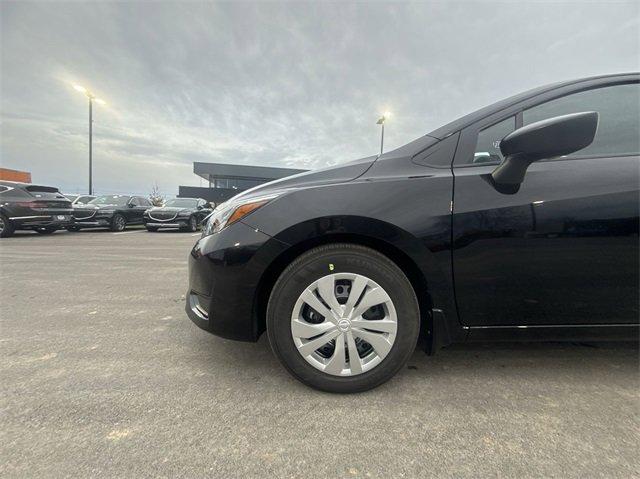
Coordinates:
292 84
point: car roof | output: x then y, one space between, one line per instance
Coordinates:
22 184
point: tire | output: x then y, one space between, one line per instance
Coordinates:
73 228
192 226
118 223
6 227
326 265
152 229
46 230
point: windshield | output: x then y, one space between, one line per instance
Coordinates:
71 197
182 203
118 200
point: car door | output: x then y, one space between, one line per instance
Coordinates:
142 204
131 210
563 250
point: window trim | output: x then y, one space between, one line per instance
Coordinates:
468 135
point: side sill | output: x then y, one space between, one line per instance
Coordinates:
577 332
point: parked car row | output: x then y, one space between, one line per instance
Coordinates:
45 209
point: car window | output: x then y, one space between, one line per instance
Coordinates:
134 201
45 192
3 189
84 200
144 201
488 144
619 118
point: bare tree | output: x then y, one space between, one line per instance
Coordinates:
156 198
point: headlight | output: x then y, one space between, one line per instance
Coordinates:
231 211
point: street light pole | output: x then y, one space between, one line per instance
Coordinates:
90 145
380 122
91 98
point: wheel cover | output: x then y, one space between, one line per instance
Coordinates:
334 327
1 225
119 222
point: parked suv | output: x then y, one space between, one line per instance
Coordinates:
24 206
110 211
346 268
185 214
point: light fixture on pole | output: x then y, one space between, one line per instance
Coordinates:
91 98
381 121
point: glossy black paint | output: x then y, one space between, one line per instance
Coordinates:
176 216
93 215
558 259
25 206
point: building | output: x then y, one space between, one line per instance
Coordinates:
15 175
225 180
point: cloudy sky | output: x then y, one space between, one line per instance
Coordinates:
281 84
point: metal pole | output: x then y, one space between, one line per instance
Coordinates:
382 139
90 145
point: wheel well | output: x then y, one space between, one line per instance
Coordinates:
406 264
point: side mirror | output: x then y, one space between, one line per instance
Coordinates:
130 205
544 139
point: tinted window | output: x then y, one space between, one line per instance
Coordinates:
44 192
84 199
488 144
618 125
143 202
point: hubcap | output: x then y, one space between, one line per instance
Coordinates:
344 324
1 225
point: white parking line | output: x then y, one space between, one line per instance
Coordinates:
128 232
196 234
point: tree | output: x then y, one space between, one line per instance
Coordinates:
156 198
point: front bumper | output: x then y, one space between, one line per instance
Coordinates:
170 224
225 270
94 222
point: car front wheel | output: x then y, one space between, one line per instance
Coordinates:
118 223
6 227
192 225
343 318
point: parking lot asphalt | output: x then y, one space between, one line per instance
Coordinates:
103 375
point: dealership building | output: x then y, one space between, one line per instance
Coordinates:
225 180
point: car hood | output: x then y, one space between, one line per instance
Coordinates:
169 209
332 174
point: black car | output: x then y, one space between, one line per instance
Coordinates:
110 211
185 214
24 206
518 222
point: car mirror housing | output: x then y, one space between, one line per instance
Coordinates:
550 138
